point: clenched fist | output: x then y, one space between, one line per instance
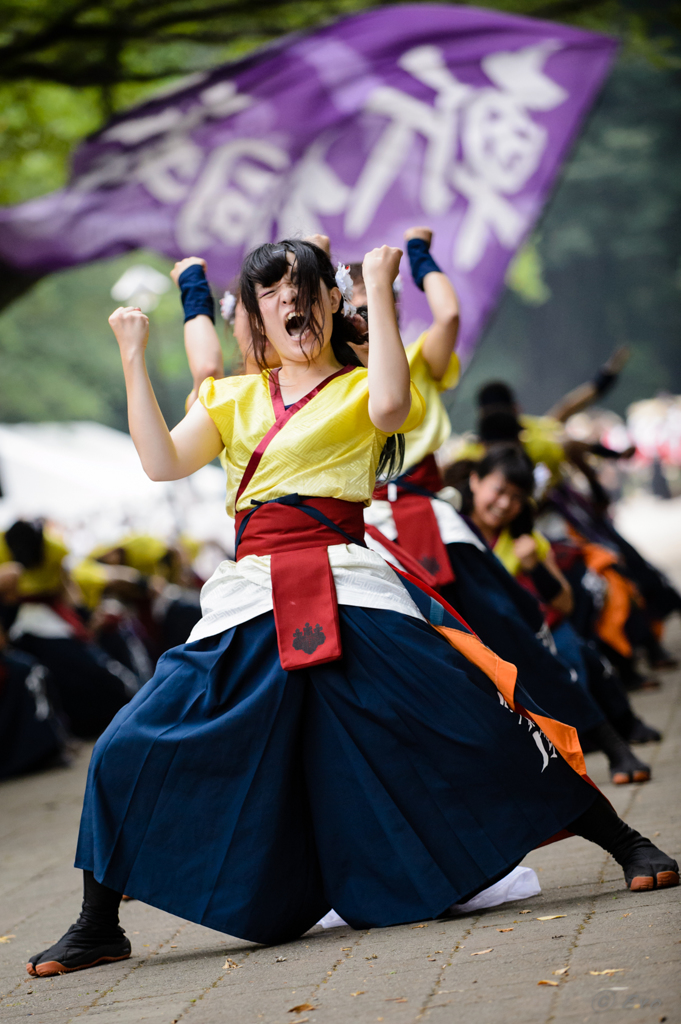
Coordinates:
181 265
525 548
381 266
322 241
131 328
425 234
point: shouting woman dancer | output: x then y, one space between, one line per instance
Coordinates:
317 743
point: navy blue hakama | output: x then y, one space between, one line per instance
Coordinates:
389 784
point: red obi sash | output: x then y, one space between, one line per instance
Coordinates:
418 532
296 531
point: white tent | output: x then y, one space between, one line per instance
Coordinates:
87 479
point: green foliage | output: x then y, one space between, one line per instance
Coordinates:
60 359
40 123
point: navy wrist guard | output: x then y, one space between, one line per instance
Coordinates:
195 293
420 260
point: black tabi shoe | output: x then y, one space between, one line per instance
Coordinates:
642 733
627 769
648 868
77 949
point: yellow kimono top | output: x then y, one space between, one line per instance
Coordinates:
435 427
46 578
541 438
328 449
503 549
142 552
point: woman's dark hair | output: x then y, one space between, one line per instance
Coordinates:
499 427
26 543
268 264
512 462
495 393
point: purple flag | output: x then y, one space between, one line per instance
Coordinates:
447 116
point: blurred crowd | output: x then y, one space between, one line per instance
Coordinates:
77 643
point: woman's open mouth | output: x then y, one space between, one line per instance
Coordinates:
294 324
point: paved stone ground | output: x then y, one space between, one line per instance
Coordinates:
622 951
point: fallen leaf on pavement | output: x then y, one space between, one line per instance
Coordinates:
396 1000
229 964
419 926
303 1008
562 970
301 1020
481 951
6 938
360 992
344 949
525 911
504 929
374 956
547 982
611 970
626 915
551 917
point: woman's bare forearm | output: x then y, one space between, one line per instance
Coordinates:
148 428
204 352
193 443
388 370
441 337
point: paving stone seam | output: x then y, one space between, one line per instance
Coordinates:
123 977
556 997
428 1001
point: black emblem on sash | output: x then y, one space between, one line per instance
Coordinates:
308 639
431 565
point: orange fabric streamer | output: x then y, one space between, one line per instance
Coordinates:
620 596
503 674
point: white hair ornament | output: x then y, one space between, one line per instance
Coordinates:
228 306
346 287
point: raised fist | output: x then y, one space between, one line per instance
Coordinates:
131 328
425 234
525 549
189 261
322 241
381 266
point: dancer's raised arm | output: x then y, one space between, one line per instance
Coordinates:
201 341
389 385
165 455
441 336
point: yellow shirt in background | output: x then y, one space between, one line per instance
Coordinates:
141 552
503 549
328 449
46 578
435 427
541 438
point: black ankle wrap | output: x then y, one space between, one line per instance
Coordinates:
99 914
